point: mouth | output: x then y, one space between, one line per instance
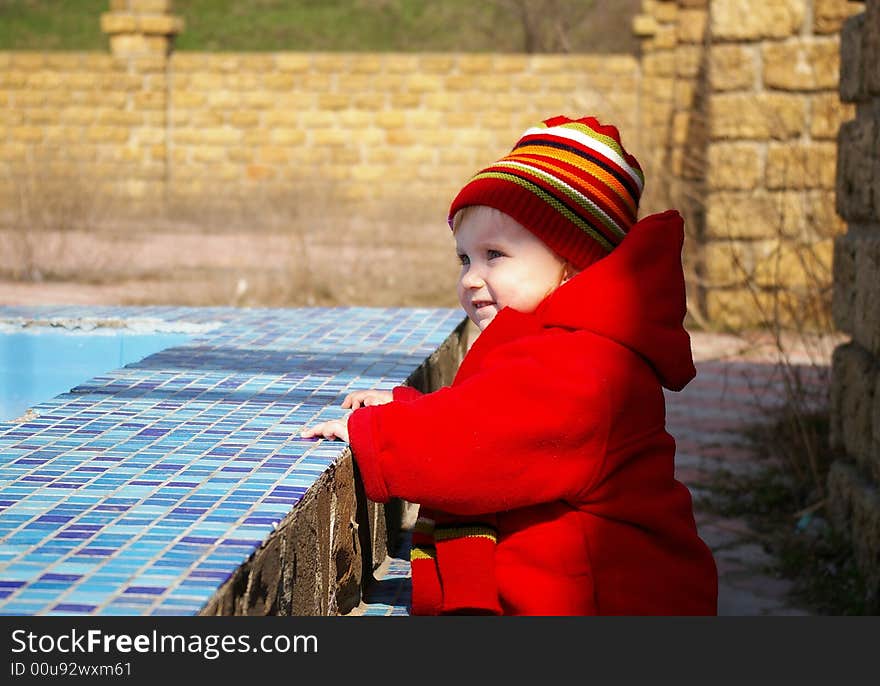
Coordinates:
479 304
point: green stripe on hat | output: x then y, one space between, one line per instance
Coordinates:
553 202
578 198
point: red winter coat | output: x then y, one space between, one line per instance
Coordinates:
555 422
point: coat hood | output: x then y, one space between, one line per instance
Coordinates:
634 296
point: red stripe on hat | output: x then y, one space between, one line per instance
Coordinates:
608 130
585 215
599 192
576 165
547 137
562 223
559 233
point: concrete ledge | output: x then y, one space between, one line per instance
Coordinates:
323 554
178 484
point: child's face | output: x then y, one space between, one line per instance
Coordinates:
503 264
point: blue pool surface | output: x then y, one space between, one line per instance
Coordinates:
36 366
147 486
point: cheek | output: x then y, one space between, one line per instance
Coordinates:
518 279
525 292
460 291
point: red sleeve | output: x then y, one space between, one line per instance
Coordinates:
405 393
518 432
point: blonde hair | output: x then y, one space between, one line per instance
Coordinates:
459 216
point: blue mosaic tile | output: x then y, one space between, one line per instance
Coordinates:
389 596
142 489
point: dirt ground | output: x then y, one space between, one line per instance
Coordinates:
187 265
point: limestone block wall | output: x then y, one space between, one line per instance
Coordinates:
742 96
87 122
855 386
674 114
157 129
371 126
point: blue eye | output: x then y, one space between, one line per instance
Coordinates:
464 259
492 254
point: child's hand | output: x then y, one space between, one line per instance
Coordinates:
357 399
338 428
334 428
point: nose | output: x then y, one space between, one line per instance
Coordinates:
471 278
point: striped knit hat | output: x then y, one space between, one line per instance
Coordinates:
568 181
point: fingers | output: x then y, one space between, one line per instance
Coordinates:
353 399
330 429
357 399
323 429
313 431
309 431
378 398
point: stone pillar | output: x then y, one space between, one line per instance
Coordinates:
141 27
854 478
770 223
141 36
656 27
738 102
674 121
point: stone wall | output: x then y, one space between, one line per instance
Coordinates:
741 97
674 112
855 388
366 124
158 127
80 116
377 125
732 109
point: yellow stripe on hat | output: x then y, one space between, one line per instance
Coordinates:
592 139
581 163
609 202
574 194
554 203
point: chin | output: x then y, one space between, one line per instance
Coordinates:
483 323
